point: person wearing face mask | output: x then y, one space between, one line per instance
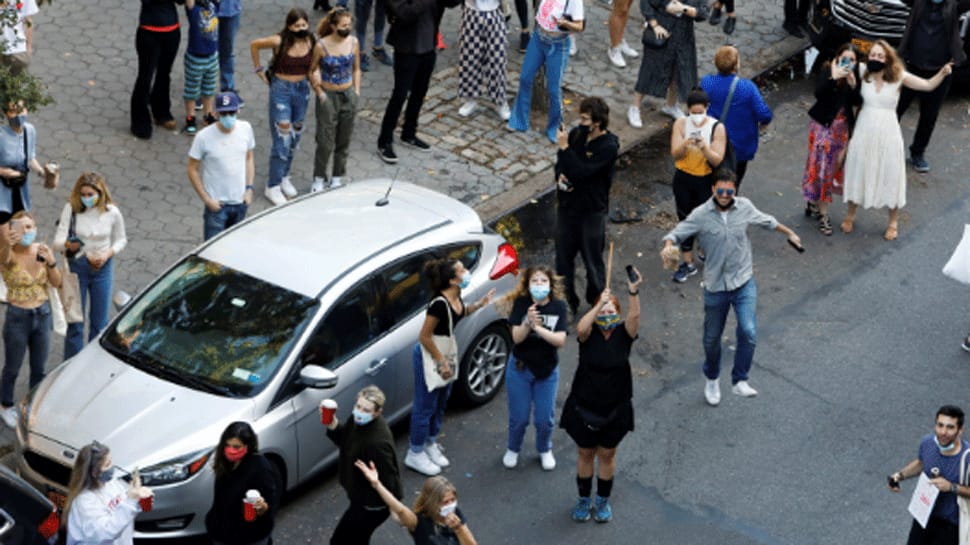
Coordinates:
239 468
697 144
585 166
447 278
435 518
289 92
336 82
721 225
101 507
943 458
221 167
91 231
17 136
875 164
538 322
598 412
365 437
28 269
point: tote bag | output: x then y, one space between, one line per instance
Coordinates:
70 292
449 349
958 267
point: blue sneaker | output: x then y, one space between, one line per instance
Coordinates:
581 511
364 63
683 272
919 164
604 513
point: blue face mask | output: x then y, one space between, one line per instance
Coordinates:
944 448
539 293
17 121
89 202
607 321
361 418
227 121
28 238
107 475
465 281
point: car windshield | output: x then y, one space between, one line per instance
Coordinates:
210 327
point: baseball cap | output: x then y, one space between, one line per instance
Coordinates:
227 102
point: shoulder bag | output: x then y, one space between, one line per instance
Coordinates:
650 38
70 293
449 349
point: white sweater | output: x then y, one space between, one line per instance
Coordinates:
99 231
105 516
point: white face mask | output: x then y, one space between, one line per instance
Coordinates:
698 119
448 509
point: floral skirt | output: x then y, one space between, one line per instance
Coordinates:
823 171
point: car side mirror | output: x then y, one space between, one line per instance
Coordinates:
314 376
121 299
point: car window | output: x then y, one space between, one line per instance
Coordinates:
468 254
350 325
406 288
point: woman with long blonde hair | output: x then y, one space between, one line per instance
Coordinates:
538 322
435 511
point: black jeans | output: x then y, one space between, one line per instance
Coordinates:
156 53
937 532
584 234
796 12
689 192
929 109
412 75
358 524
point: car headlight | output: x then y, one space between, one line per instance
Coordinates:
175 470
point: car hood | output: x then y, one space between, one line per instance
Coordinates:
142 418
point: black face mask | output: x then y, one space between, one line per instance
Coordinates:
583 130
301 34
875 66
343 32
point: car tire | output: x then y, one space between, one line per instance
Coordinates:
483 365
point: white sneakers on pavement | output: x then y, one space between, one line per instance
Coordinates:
548 460
743 389
504 111
572 45
633 117
9 416
319 184
434 452
627 50
712 392
420 462
511 459
287 186
275 195
672 111
616 57
468 108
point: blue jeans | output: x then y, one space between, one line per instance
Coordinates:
22 329
361 16
428 409
288 103
217 222
525 392
553 52
716 305
96 287
228 26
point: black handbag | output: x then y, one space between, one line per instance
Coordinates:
16 182
651 40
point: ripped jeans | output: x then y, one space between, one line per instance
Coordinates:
288 103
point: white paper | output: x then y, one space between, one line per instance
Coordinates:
924 497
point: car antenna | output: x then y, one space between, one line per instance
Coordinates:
383 201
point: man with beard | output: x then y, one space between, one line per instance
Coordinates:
940 456
721 225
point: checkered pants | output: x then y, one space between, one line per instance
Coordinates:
483 47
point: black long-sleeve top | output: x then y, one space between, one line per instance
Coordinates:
224 522
589 165
372 442
830 98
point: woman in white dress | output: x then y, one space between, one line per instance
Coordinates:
875 164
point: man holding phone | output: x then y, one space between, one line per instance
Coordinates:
585 165
728 280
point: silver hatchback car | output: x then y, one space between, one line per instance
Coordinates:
306 301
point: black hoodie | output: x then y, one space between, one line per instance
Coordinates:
589 166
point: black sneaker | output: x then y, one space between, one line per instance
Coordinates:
190 128
919 164
523 41
386 153
364 63
416 142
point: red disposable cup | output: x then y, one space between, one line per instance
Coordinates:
328 408
146 503
249 510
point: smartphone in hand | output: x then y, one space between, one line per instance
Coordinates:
631 274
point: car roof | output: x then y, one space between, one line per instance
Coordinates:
306 244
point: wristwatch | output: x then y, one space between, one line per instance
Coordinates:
954 487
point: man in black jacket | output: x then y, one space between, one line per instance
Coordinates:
414 24
931 39
585 165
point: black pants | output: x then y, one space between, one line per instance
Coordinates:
728 5
739 171
584 234
689 192
156 53
412 75
937 532
357 524
929 109
796 12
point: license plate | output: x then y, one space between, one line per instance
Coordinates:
57 498
862 46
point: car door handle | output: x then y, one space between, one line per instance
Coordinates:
376 367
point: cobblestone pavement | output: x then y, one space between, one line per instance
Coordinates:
85 52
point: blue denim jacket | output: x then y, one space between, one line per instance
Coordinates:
12 156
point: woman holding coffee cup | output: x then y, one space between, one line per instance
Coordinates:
435 518
91 231
18 156
100 506
246 496
365 437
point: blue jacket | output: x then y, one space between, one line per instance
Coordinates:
748 111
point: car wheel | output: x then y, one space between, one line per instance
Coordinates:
483 367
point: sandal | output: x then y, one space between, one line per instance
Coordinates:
891 232
811 210
847 225
825 225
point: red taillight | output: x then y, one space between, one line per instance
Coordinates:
507 262
49 527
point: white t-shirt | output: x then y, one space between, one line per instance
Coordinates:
223 160
15 36
550 10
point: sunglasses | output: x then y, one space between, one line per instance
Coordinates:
722 192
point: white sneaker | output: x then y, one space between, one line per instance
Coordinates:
504 111
468 108
672 111
9 416
434 452
744 389
628 51
616 57
712 392
511 459
319 184
421 463
633 117
275 195
287 186
548 460
572 46
336 181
